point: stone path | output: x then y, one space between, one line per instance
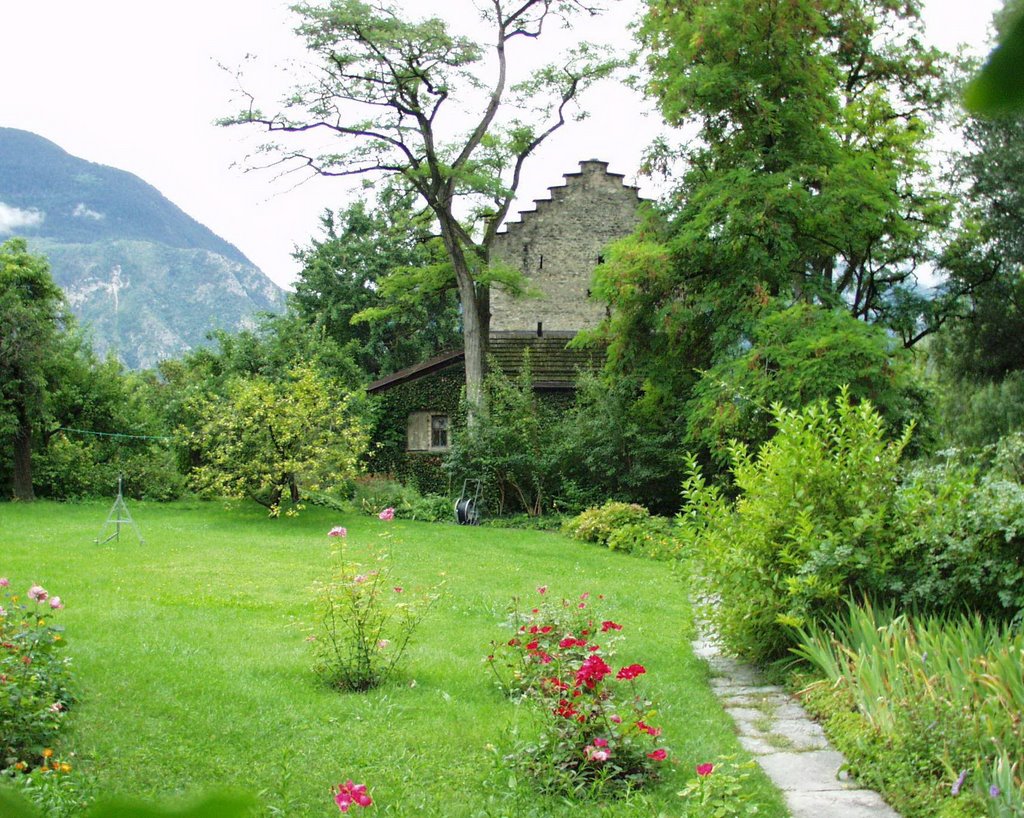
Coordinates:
789 746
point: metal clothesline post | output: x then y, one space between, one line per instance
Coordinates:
119 515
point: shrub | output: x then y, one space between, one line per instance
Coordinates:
365 620
512 448
593 730
374 493
959 537
808 527
70 469
35 681
599 524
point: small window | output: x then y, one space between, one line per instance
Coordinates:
439 431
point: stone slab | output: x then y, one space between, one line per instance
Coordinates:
816 771
839 804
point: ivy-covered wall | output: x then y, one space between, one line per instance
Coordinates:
437 392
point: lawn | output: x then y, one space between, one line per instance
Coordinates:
193 670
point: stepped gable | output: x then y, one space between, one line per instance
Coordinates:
558 244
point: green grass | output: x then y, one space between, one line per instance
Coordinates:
193 670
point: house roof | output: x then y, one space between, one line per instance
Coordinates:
552 364
411 373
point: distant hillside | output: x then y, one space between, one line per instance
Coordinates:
148 279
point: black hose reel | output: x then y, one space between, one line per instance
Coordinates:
467 507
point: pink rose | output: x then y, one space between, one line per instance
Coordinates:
658 755
704 770
338 531
55 603
387 514
38 593
4 582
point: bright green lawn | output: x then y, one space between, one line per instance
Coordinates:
193 670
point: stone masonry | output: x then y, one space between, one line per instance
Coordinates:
558 245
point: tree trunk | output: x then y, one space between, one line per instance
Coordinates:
476 321
22 486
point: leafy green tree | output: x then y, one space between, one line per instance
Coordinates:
807 177
346 273
32 316
799 356
393 92
512 449
611 445
265 439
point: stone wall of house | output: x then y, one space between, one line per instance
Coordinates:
558 245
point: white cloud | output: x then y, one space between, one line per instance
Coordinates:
83 211
11 218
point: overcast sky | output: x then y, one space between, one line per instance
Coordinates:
137 85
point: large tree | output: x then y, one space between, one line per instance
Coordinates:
32 315
437 112
806 177
346 283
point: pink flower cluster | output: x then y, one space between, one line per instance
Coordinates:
598 751
348 794
387 514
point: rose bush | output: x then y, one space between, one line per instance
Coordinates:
35 680
593 732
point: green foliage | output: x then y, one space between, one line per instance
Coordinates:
72 469
267 437
940 699
437 392
976 415
364 621
615 441
997 90
957 542
720 790
797 356
32 316
35 680
374 493
809 525
512 449
377 71
341 287
806 113
600 524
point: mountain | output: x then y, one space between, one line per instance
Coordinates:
147 280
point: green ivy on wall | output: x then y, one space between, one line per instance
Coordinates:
437 392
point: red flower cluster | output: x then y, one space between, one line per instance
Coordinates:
630 672
566 710
608 625
572 642
646 728
592 671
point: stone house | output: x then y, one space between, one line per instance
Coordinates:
556 245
